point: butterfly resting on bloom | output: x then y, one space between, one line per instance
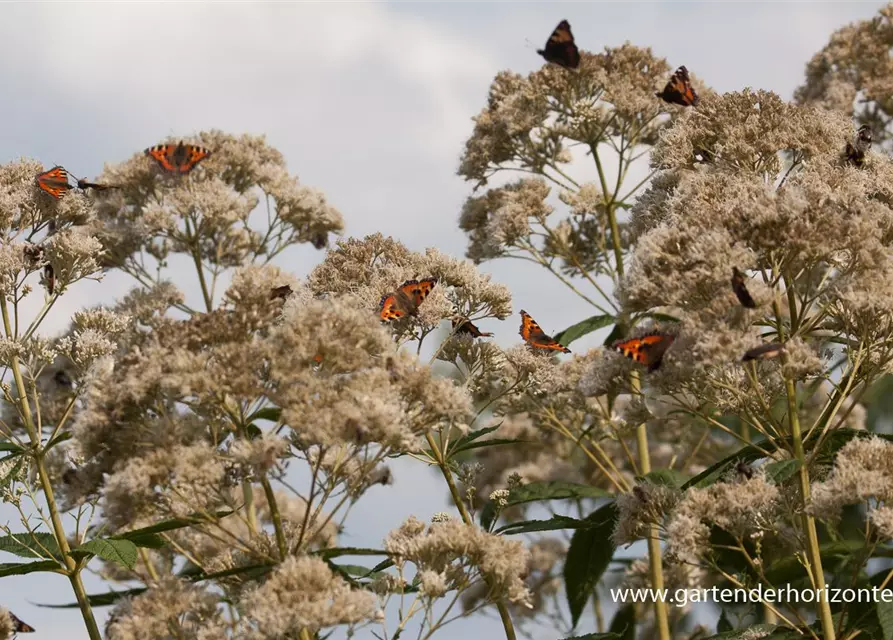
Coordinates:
679 90
178 158
536 338
560 48
740 289
648 349
406 299
54 182
461 324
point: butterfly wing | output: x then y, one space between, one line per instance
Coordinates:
764 352
741 291
679 90
180 158
19 626
418 290
280 292
54 182
648 350
560 47
162 154
537 338
466 326
194 155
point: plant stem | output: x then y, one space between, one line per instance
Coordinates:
466 517
655 561
274 514
73 571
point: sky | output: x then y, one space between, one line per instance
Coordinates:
371 103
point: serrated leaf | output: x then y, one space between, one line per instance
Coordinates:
267 413
170 525
779 472
99 599
580 329
547 490
117 550
471 436
666 477
588 555
624 622
555 523
30 545
23 568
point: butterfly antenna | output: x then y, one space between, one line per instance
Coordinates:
529 45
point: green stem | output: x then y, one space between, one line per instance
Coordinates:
466 517
73 571
274 514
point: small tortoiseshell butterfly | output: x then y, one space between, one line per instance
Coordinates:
49 278
83 185
178 158
856 150
280 292
740 290
764 352
560 47
536 338
405 300
54 182
18 626
648 349
462 324
679 90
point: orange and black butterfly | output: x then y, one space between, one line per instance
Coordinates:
536 338
280 292
83 185
764 352
648 349
560 47
54 182
740 289
49 278
462 324
679 90
178 158
405 301
18 626
856 150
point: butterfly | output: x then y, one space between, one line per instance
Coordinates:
280 292
856 150
648 349
536 338
560 48
679 90
405 300
49 278
19 626
764 352
740 290
54 182
180 158
464 325
83 185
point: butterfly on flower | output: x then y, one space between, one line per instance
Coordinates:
679 90
178 158
560 47
463 325
648 349
49 278
54 182
405 301
764 352
19 626
280 293
536 338
740 289
856 150
84 184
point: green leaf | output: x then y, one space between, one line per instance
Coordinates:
146 540
588 556
471 436
14 470
885 617
30 545
582 328
336 552
666 477
381 566
59 439
99 599
169 525
488 443
779 472
267 413
616 334
555 523
10 446
547 490
714 472
723 624
23 568
253 431
624 622
115 550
